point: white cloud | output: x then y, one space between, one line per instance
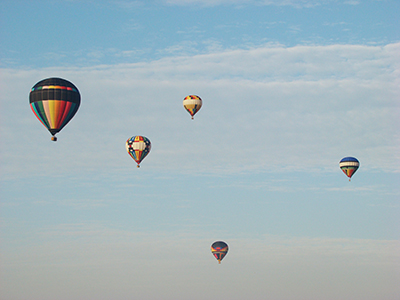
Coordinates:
352 2
297 108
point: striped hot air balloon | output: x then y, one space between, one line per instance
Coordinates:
192 104
349 166
138 147
54 101
219 249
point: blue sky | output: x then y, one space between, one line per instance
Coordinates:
82 33
289 88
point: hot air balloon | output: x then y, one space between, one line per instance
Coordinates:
138 147
54 101
349 166
192 104
219 250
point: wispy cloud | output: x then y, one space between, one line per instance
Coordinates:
352 2
296 108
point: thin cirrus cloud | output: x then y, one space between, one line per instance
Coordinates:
296 107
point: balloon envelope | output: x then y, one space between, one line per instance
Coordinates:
219 249
54 101
349 166
138 147
192 104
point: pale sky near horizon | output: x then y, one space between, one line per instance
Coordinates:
289 87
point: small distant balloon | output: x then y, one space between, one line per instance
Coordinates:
349 166
219 249
138 147
192 104
54 101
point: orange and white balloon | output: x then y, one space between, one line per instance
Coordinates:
192 104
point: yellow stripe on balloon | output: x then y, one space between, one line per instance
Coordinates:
53 113
138 154
47 112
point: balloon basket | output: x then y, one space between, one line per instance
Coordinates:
54 139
